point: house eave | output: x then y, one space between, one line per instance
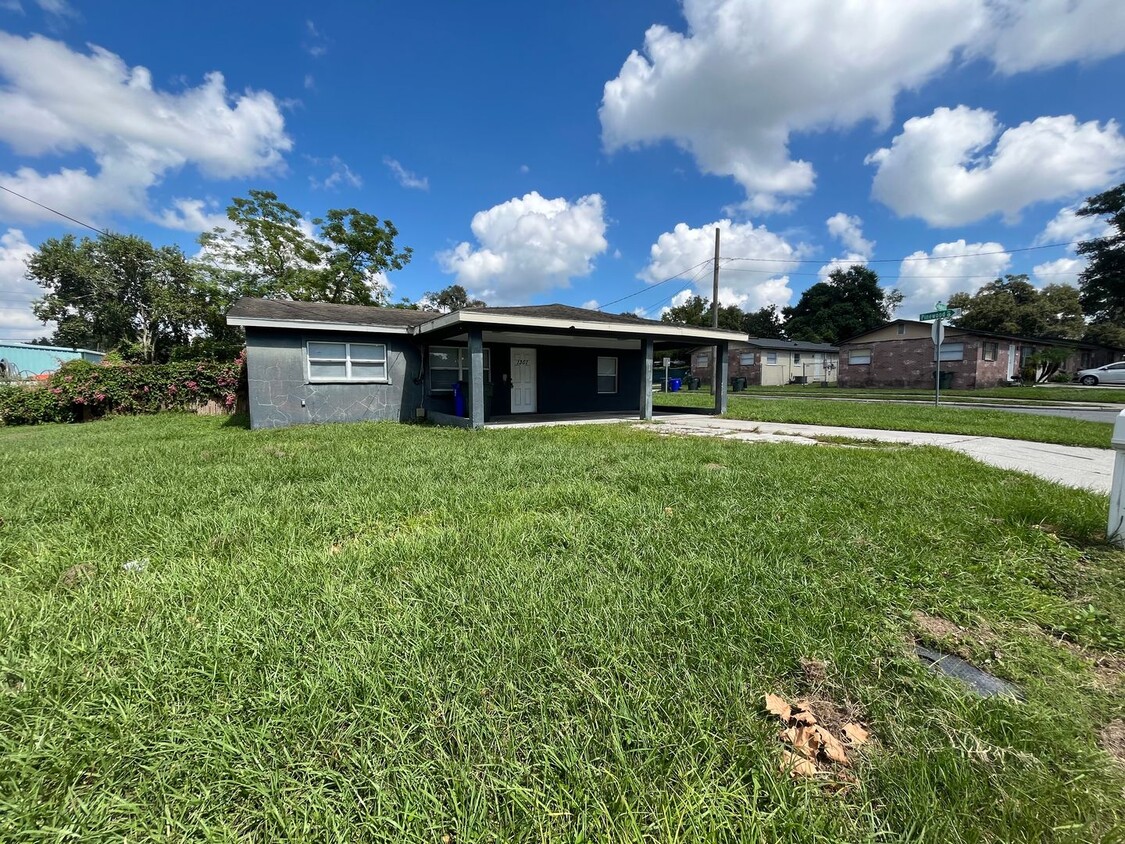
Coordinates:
308 325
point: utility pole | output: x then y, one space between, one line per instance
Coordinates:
715 313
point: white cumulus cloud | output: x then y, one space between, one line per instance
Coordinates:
955 166
1067 226
404 177
745 75
1059 271
17 291
748 284
957 266
57 101
529 245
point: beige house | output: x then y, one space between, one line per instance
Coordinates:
773 363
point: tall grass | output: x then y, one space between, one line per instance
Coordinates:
385 632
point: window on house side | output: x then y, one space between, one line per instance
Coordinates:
953 351
989 350
902 328
859 357
329 362
702 360
449 364
796 357
607 375
771 357
746 359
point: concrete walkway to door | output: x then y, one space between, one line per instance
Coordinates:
1083 468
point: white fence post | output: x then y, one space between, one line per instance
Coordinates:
1115 529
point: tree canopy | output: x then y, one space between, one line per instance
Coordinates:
117 292
1103 281
1013 305
847 303
271 250
452 298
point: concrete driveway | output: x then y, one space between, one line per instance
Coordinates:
1082 468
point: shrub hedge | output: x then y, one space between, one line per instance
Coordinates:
80 391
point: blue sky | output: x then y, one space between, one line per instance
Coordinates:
579 152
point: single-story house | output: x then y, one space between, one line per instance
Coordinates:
901 354
319 362
773 363
27 360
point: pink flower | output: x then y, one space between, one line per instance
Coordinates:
171 388
57 390
99 396
146 389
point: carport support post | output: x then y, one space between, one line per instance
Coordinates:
1115 529
646 379
476 376
722 365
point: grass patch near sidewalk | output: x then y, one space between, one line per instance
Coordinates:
383 632
904 417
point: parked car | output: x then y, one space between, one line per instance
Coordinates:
1111 373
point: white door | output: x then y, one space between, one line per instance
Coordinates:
1011 361
523 381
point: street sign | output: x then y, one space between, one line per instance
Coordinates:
937 332
667 362
946 313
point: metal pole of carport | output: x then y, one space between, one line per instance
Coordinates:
476 377
715 316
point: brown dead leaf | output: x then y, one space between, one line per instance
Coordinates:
804 740
797 766
778 706
854 734
831 747
803 714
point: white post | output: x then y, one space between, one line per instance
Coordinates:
1115 529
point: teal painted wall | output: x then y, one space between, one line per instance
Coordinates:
26 361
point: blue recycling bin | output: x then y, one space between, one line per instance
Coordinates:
458 398
674 385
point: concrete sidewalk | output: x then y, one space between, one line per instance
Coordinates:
1083 468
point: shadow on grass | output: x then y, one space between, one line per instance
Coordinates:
238 420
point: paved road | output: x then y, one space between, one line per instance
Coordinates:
1091 413
1083 468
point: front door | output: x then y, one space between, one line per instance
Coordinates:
523 381
1012 361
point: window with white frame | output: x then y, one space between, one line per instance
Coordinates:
771 358
953 351
859 357
989 350
746 359
449 364
607 375
796 357
902 328
329 362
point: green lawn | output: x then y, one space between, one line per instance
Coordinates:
386 632
904 417
1017 395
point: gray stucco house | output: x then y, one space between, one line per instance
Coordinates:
319 362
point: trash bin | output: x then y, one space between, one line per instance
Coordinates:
693 382
459 390
738 384
674 385
946 379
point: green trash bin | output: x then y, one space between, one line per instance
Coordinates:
946 379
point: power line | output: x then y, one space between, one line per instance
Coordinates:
690 283
653 286
60 213
908 258
884 278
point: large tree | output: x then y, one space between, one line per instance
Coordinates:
764 323
1013 305
1103 281
271 250
117 292
847 303
452 298
697 311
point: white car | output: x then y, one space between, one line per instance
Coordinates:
1111 373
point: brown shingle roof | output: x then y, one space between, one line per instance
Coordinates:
284 309
557 311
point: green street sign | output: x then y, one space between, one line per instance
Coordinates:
948 313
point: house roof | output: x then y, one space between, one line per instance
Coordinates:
16 344
790 345
953 329
276 313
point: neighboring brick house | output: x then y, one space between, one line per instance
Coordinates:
901 354
772 363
